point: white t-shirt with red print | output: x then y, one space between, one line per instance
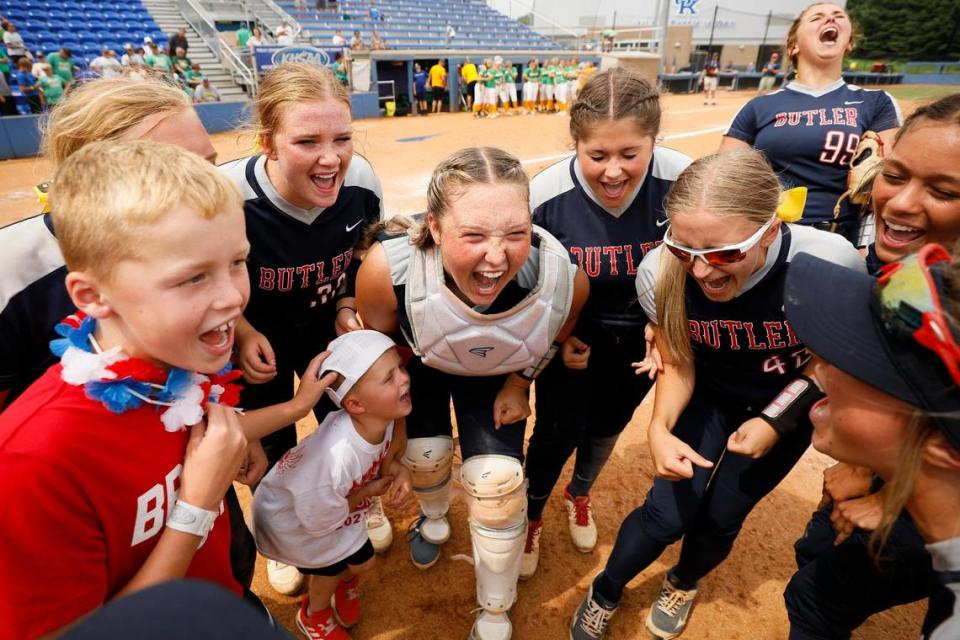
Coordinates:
300 511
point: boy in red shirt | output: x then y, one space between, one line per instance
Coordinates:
111 476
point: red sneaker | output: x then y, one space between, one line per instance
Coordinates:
319 625
346 602
583 530
531 550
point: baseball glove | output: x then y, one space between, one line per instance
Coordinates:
864 165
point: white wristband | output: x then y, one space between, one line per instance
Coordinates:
190 519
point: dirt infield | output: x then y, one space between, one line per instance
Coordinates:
742 599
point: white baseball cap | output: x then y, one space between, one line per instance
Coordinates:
352 354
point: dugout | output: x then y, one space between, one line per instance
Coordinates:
391 71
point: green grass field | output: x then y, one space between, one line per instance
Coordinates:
921 91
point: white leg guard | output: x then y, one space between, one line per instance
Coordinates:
430 461
497 502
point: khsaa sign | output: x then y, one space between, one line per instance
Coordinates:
266 57
310 55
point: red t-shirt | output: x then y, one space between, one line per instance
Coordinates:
84 494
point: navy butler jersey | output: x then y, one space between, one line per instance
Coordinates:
809 136
744 350
607 245
299 258
33 299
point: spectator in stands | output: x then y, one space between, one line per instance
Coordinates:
770 71
178 41
206 92
52 86
438 84
256 40
356 42
181 63
340 69
375 14
300 5
451 33
63 65
130 55
377 43
136 71
4 63
338 40
243 34
29 86
193 77
8 104
13 41
420 88
284 34
150 56
161 62
468 77
106 64
39 62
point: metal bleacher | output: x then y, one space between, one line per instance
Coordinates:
420 24
84 26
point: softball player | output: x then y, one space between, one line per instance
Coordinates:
500 77
531 76
838 585
480 91
605 205
480 332
489 81
887 362
572 71
547 80
510 80
810 129
727 353
560 85
307 207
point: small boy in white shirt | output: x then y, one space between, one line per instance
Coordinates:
309 510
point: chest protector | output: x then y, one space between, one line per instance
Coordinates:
450 336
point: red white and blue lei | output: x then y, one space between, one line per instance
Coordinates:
122 383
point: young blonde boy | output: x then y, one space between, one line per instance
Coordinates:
309 510
112 478
106 496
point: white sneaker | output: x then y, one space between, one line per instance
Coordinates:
378 527
491 626
583 530
284 578
531 551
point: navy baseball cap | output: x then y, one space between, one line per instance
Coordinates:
829 307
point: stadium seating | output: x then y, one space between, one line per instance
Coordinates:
421 24
83 26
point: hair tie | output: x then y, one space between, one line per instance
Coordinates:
791 204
